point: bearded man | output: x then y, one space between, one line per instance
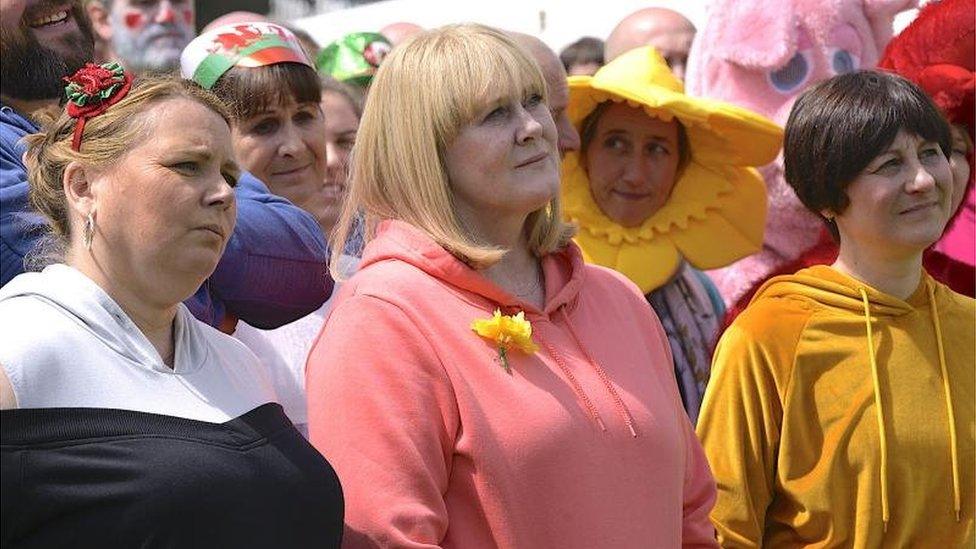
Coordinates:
31 73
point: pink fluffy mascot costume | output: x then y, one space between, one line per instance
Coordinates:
760 55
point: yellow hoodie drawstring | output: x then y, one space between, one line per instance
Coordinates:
953 441
956 497
878 408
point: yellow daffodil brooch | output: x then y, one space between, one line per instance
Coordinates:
507 332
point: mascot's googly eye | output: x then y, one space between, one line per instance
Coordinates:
842 61
794 74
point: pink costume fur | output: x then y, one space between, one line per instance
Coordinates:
761 55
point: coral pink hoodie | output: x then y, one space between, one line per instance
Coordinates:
584 444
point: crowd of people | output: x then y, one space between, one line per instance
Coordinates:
448 288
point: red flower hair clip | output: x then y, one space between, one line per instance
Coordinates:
92 90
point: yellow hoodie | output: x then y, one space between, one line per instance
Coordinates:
802 452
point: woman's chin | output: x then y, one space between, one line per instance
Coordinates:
916 241
541 198
196 267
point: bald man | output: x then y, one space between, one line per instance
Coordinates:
555 75
396 33
668 31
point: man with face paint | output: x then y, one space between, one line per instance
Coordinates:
144 35
275 267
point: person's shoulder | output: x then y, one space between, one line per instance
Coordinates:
953 298
962 308
31 315
965 303
13 127
774 317
610 282
394 281
32 330
249 186
775 325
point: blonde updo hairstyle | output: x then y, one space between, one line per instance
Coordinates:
105 140
425 91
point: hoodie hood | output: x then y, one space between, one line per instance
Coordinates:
78 297
829 287
397 240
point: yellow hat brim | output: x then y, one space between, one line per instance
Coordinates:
716 212
718 133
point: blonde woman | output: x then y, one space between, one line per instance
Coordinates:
477 384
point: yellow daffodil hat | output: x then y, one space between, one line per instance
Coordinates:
717 209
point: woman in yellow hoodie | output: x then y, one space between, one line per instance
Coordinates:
841 408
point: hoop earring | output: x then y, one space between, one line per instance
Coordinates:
89 231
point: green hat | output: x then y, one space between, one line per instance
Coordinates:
354 58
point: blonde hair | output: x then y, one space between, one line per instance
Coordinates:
106 138
425 91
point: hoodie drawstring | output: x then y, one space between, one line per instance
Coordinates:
954 452
953 441
879 411
621 407
577 388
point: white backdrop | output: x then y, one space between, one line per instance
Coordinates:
557 22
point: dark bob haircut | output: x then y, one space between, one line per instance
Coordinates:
837 127
249 91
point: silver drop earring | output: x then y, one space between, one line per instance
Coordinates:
89 231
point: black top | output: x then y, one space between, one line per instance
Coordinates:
90 477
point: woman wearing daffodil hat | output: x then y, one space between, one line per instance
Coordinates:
663 186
